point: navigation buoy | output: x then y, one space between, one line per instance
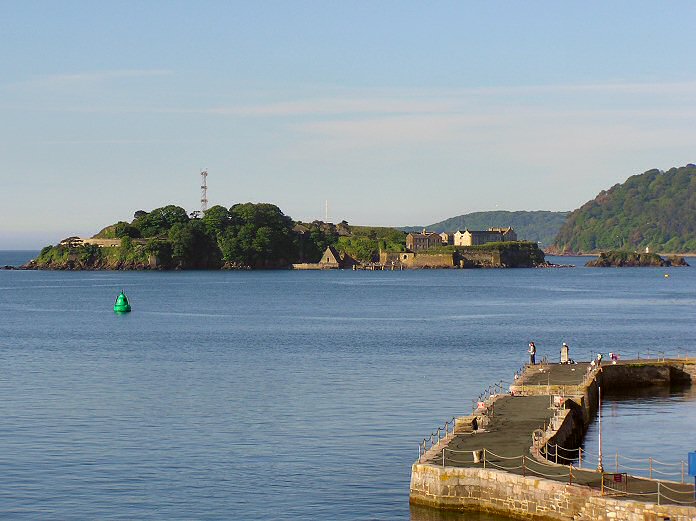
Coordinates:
121 305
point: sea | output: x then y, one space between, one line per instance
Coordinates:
283 395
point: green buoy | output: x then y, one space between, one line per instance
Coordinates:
121 305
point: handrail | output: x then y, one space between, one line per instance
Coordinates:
488 393
528 465
653 465
423 445
657 354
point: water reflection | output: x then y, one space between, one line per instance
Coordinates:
421 513
645 430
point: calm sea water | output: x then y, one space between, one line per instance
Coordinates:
292 395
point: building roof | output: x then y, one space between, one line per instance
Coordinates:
333 252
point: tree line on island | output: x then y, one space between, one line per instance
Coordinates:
247 235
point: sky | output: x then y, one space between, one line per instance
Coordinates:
395 112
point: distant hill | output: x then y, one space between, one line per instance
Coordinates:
655 209
538 226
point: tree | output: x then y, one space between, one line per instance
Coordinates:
654 209
160 220
258 235
192 246
216 219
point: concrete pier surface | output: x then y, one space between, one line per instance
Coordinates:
532 435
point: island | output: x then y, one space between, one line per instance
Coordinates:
620 259
261 236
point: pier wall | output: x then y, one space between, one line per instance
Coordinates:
536 499
496 491
647 374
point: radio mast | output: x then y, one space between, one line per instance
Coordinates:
204 190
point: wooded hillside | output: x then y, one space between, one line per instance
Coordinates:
655 209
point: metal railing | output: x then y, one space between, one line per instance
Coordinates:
651 467
524 463
661 355
489 392
435 437
664 494
527 466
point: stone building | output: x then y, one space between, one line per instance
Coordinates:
332 259
423 241
447 238
473 238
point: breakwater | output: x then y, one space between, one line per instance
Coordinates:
519 454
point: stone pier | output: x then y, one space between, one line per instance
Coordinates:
519 457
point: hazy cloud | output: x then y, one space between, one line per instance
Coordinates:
88 77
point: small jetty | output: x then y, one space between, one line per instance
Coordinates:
520 452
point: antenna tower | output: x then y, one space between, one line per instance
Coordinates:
204 190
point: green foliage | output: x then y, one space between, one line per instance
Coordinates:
123 229
161 249
364 249
160 220
216 219
53 255
626 258
319 240
387 239
537 226
258 235
654 209
490 246
192 246
118 230
246 235
61 255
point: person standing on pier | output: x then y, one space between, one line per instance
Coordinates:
532 353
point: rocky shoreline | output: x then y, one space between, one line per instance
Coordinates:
623 259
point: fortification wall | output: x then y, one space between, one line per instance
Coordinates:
479 259
431 260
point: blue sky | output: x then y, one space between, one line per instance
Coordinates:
397 113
